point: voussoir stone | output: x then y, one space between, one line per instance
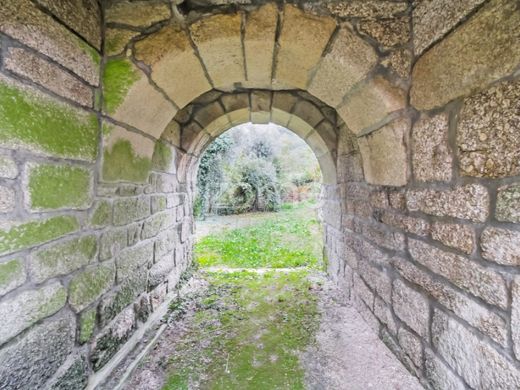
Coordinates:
468 60
487 133
32 359
136 13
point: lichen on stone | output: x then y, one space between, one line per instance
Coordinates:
25 235
89 285
118 77
45 125
162 157
59 186
102 214
12 274
122 163
87 325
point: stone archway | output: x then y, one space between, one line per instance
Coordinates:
422 168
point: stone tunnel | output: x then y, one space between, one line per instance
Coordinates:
411 107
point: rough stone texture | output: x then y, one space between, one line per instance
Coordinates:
508 204
82 16
302 40
112 242
469 310
48 75
408 224
175 67
259 41
384 154
116 40
479 364
347 62
370 102
73 377
399 61
8 168
87 324
130 210
468 275
63 258
467 202
501 246
7 199
23 21
136 13
434 19
411 307
108 342
389 32
487 133
467 60
129 260
411 344
28 307
515 316
457 236
90 284
439 375
31 360
431 155
366 8
218 39
101 214
12 275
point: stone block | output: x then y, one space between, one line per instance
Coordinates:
466 202
81 16
87 324
112 242
129 260
432 20
409 224
431 156
481 366
168 49
7 199
8 168
136 13
48 75
108 342
368 9
501 246
28 307
346 63
411 346
464 273
28 116
362 292
370 103
12 275
487 136
508 204
73 375
160 270
439 375
388 32
400 62
31 360
485 320
460 237
384 314
515 316
158 295
62 258
384 154
218 39
259 42
116 40
51 187
302 40
156 223
23 21
101 214
131 210
411 307
467 60
90 284
15 235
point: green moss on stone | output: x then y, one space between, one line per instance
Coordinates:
162 156
45 125
35 232
9 272
102 214
86 287
122 164
51 303
92 53
87 325
118 77
59 186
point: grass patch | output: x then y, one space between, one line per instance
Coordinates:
247 333
291 238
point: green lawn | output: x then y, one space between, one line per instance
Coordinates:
290 238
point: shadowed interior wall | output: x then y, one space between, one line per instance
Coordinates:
412 108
